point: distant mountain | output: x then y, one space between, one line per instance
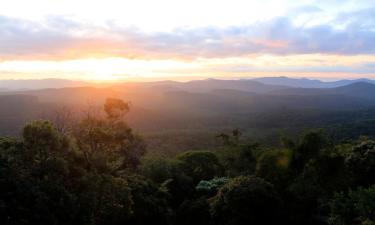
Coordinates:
239 85
71 95
204 86
208 104
308 83
291 82
362 90
235 94
359 89
11 85
340 83
231 92
257 85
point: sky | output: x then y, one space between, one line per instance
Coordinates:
186 39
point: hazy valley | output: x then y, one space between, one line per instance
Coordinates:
184 115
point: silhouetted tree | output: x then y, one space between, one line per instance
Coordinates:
109 144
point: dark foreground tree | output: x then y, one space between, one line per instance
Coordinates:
353 208
246 200
89 174
200 165
109 144
79 178
361 163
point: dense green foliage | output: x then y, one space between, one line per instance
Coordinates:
354 207
96 173
246 200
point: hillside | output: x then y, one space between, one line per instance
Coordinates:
309 83
362 90
176 112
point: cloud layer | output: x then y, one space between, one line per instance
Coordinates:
349 33
226 38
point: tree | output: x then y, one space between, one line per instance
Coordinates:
103 200
361 163
210 187
115 108
232 139
309 147
193 211
200 165
108 144
353 208
150 203
310 191
35 178
274 167
157 169
238 160
63 119
246 200
44 178
41 140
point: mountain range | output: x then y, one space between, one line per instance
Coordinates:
309 83
253 85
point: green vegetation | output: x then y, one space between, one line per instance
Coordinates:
97 173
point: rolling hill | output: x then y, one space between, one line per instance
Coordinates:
171 111
309 83
362 90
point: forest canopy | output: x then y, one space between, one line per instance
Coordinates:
96 172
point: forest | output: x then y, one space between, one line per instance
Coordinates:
174 117
97 171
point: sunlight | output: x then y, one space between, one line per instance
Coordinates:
112 69
97 69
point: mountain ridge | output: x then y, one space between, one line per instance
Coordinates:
195 85
309 83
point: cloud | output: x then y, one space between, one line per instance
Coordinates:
60 38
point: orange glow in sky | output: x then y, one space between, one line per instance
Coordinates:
175 39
